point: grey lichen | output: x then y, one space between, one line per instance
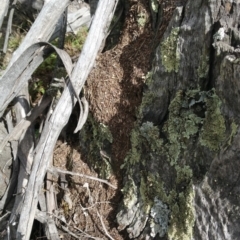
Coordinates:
154 5
141 19
160 218
169 51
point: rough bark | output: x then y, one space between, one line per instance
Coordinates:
183 169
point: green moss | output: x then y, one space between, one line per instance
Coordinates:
37 88
15 40
95 141
169 52
48 65
213 130
74 42
147 98
134 156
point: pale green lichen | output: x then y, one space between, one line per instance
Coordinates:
151 185
148 78
154 5
135 154
181 125
188 120
213 130
141 19
169 51
180 203
147 201
151 134
130 193
182 217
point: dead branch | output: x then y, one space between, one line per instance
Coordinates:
50 226
84 234
61 114
55 170
23 125
104 227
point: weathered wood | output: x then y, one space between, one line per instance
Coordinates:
22 126
41 30
48 222
9 28
3 10
61 114
77 19
24 154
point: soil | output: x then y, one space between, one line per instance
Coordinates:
114 91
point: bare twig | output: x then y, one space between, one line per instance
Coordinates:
104 227
100 217
93 205
67 230
55 170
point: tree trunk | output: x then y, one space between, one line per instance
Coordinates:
182 172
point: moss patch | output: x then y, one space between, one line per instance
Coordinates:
159 152
96 139
169 52
213 131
